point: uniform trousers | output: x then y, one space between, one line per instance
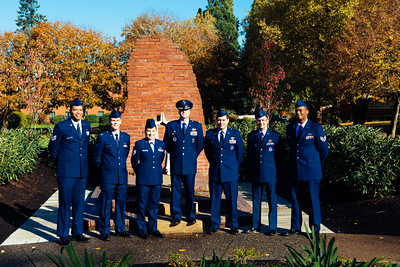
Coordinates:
305 194
272 198
188 185
231 193
71 193
107 194
148 197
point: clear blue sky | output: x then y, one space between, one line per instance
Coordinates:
109 16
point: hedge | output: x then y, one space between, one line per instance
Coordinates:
364 159
19 150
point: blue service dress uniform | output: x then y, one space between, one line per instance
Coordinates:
263 157
69 150
183 150
110 156
149 177
307 155
224 162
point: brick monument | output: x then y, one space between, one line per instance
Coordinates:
159 74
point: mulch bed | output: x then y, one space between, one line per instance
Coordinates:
341 212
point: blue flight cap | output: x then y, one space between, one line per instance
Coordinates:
221 113
76 102
300 103
150 123
184 104
260 113
115 114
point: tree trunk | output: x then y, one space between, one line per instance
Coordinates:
359 110
335 113
319 115
395 116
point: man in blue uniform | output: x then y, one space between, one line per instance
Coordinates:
68 148
183 141
264 149
110 153
224 150
147 158
308 150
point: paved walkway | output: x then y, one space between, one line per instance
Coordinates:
41 227
39 232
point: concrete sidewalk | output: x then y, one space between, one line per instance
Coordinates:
41 227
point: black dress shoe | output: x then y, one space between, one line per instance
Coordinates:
124 234
234 231
212 231
271 232
291 232
105 237
191 221
250 230
143 235
64 241
157 234
175 222
80 238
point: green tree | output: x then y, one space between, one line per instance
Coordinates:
366 58
81 63
28 16
304 31
230 86
226 22
12 47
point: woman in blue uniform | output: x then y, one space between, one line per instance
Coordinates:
147 158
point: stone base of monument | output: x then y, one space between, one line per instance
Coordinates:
202 206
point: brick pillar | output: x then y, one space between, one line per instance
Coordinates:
159 74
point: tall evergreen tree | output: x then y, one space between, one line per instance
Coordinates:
226 22
229 87
28 16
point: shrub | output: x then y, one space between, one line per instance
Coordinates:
92 119
86 260
104 119
57 119
319 254
19 119
19 149
365 160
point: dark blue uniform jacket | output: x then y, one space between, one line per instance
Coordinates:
68 151
183 150
148 165
308 152
111 157
264 157
225 158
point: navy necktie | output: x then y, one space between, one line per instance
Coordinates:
221 137
300 131
261 137
116 139
78 129
152 146
183 129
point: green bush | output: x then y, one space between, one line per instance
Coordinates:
92 119
57 119
19 119
104 119
319 254
365 160
86 260
19 149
